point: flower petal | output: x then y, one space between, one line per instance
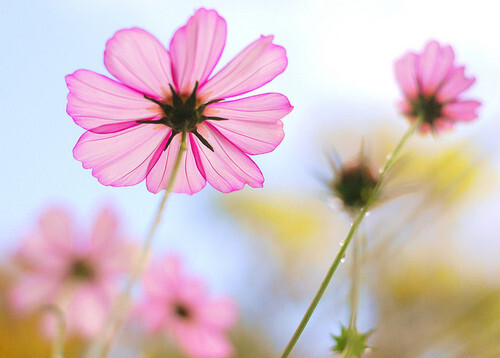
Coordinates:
162 275
406 76
461 111
87 311
122 158
200 342
227 168
435 64
196 49
95 100
252 68
253 123
220 313
455 84
32 291
189 180
137 59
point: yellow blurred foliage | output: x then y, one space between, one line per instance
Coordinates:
20 337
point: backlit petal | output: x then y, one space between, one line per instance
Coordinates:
196 49
137 59
188 180
461 111
227 168
253 123
122 158
255 66
406 76
95 100
454 85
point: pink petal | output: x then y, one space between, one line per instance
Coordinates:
196 49
44 255
253 123
220 313
95 100
87 312
137 59
104 230
255 66
56 227
440 124
455 84
434 64
189 180
200 342
461 111
122 158
227 168
110 251
162 278
33 290
404 106
153 314
405 71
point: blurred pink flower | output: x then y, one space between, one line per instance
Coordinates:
181 305
77 273
432 84
134 126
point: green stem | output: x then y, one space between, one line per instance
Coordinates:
354 226
117 316
58 343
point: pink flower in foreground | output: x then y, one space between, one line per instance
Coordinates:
432 84
77 273
135 125
180 305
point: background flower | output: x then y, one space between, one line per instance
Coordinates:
181 306
78 273
432 85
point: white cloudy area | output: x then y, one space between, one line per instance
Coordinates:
339 76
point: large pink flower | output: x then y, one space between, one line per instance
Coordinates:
432 85
79 274
135 125
180 305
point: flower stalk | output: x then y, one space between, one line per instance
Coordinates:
345 244
115 322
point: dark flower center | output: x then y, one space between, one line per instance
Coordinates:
354 186
182 311
426 107
81 270
183 115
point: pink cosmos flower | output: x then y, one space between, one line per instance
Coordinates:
135 125
432 84
77 273
180 305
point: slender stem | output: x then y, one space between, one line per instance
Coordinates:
355 281
121 307
58 343
354 226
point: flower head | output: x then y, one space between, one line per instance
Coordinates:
134 125
432 85
353 183
77 273
181 305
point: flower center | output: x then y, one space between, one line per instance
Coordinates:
81 270
181 311
183 115
426 107
354 186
